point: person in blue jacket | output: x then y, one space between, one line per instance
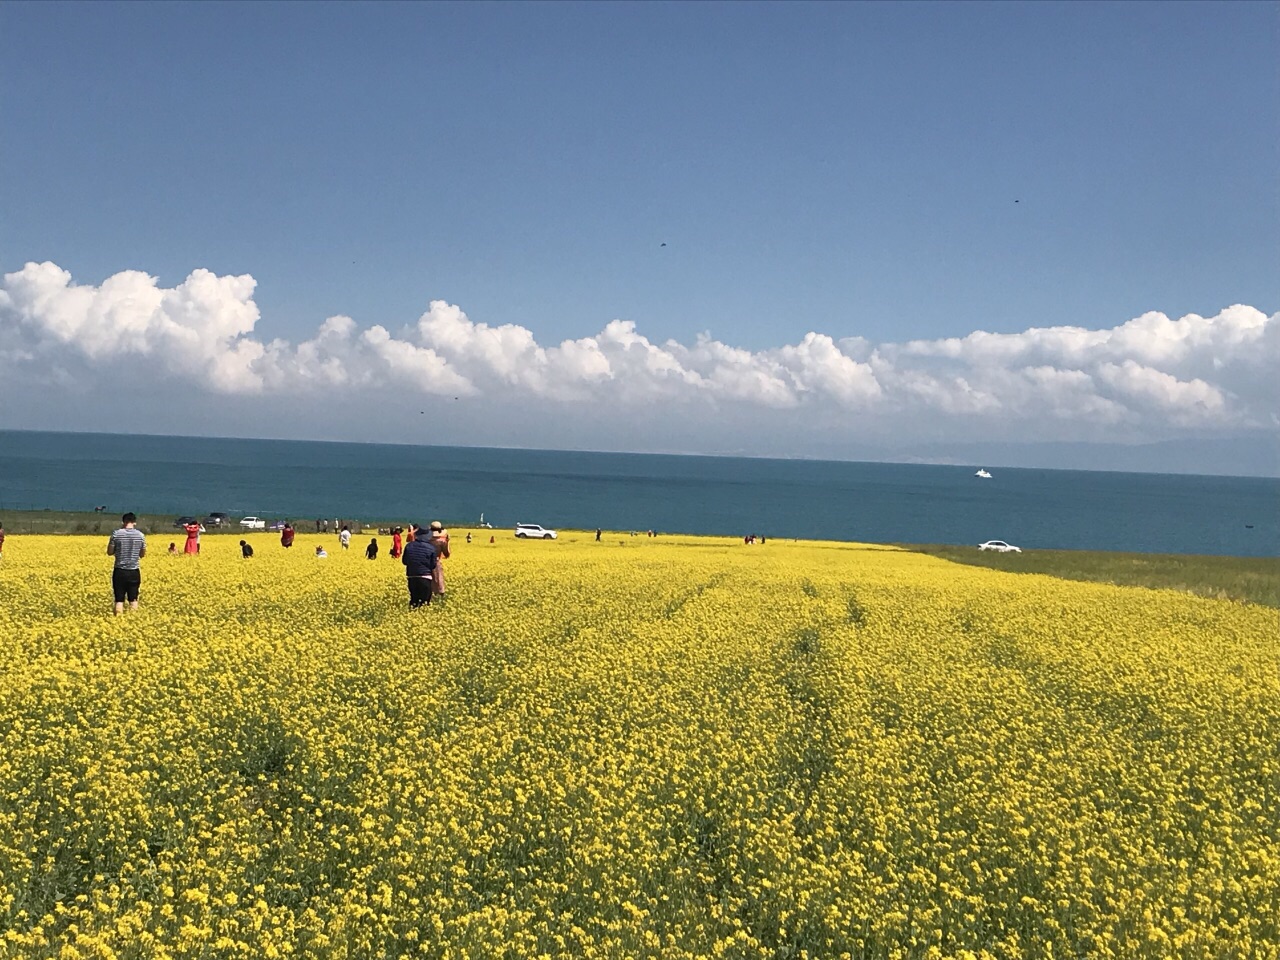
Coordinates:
419 561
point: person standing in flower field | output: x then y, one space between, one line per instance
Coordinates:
128 546
397 543
371 551
438 537
1 541
192 546
345 537
420 562
286 535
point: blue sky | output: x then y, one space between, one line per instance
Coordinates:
891 172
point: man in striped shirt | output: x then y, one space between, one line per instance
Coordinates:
128 546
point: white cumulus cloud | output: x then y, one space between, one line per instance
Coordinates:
1150 375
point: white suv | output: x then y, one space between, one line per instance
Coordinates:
532 530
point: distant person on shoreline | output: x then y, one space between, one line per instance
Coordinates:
371 551
192 546
287 535
439 538
420 561
397 543
246 551
128 546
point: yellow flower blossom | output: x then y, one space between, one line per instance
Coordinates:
676 748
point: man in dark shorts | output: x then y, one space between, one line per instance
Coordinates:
420 559
128 546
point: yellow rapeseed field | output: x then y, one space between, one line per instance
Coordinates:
676 748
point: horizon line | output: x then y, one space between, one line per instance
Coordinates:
912 460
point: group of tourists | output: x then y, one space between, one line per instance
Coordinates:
322 524
421 551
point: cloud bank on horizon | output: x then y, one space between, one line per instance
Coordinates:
1150 377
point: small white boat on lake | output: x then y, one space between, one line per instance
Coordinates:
983 474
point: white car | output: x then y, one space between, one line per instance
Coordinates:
253 523
999 546
527 531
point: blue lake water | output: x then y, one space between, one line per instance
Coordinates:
874 502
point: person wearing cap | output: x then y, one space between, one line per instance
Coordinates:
438 537
420 560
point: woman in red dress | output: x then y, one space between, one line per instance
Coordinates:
192 545
396 543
